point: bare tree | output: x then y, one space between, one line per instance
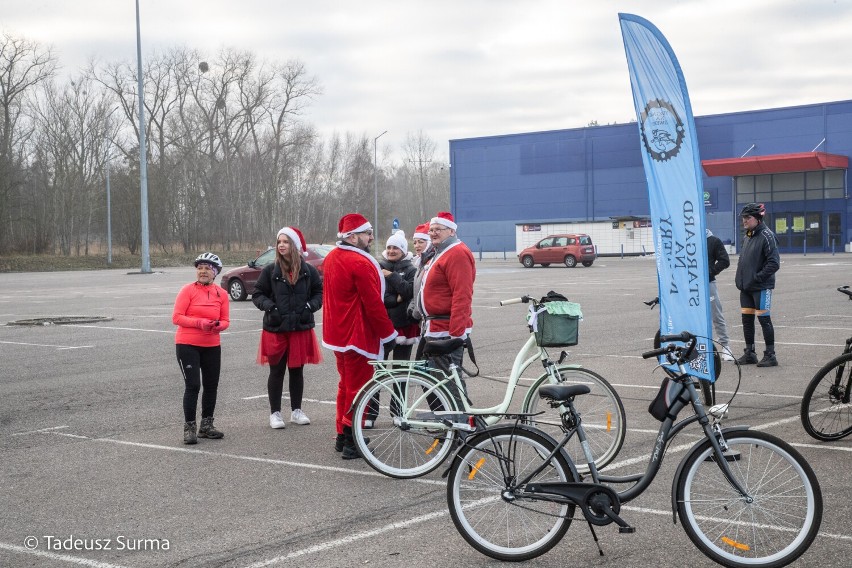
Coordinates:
24 65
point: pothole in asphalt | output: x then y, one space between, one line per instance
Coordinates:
60 320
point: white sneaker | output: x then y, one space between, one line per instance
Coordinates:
299 417
275 421
368 424
726 354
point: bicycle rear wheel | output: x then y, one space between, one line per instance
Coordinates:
826 409
495 518
397 448
601 411
774 526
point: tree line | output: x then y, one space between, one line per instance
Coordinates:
230 158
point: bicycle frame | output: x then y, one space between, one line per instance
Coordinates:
528 354
668 430
839 374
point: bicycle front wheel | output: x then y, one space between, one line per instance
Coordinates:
774 525
601 412
396 447
826 410
496 518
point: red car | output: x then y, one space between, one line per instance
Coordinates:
239 282
568 249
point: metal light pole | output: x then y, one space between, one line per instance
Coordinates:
376 184
109 219
143 162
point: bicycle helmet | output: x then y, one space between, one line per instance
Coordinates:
753 210
209 258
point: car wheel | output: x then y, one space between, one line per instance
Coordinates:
527 261
587 263
570 261
236 290
545 264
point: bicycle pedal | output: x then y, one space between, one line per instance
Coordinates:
626 530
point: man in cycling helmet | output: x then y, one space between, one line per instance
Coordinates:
759 261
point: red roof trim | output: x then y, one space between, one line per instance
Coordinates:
774 164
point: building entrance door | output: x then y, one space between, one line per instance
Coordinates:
812 231
799 231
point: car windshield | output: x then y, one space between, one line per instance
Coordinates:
265 258
321 250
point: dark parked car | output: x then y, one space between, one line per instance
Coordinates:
239 282
568 249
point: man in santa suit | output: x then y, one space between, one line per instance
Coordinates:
446 293
355 323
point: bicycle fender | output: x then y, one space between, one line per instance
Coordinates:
487 432
694 449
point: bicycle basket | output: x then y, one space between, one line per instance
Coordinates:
556 324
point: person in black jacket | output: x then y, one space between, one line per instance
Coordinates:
288 291
718 260
399 290
759 261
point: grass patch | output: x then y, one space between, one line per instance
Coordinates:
55 263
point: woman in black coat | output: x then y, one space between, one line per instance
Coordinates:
288 291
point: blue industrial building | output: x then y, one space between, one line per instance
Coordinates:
793 159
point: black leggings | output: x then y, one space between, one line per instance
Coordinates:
200 366
275 385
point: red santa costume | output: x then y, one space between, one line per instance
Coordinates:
447 288
355 322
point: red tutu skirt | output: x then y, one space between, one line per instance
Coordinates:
301 348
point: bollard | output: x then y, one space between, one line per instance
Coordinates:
832 247
622 252
805 246
644 253
480 254
504 254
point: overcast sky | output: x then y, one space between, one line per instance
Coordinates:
467 68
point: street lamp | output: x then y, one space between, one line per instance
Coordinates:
143 161
376 184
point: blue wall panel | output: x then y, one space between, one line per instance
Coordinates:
594 173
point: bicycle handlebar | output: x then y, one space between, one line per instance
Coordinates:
683 336
521 300
657 352
845 290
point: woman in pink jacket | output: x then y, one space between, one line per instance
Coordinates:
201 312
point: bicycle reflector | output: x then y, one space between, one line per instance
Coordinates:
738 545
475 469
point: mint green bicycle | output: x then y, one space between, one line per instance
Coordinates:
423 417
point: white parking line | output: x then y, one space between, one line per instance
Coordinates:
350 539
60 347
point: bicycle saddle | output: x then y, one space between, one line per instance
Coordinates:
442 346
562 392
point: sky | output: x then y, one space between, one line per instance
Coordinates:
468 68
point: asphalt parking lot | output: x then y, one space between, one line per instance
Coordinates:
91 428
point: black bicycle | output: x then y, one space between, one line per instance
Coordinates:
744 497
826 412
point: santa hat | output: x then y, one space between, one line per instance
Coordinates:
421 232
296 236
352 223
446 219
398 240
